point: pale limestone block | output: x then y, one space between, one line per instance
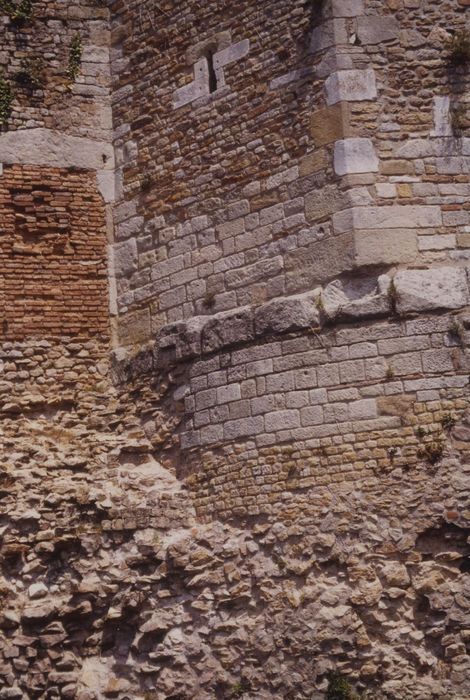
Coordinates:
106 181
394 216
387 190
230 392
415 148
199 87
453 165
350 86
367 299
128 228
375 29
355 155
282 420
426 290
311 415
55 149
441 115
347 8
363 409
282 315
283 177
232 53
385 246
437 242
243 427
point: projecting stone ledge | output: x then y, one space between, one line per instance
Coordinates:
341 301
430 290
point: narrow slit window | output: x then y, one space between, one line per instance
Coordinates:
212 73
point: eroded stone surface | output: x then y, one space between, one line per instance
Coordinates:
424 290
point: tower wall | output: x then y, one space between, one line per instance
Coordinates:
296 239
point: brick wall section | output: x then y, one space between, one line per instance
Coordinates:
52 253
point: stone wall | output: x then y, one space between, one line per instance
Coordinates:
35 61
268 481
299 395
335 141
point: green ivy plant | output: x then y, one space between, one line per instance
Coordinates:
6 98
75 58
18 11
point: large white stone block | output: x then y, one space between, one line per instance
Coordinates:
355 155
404 216
441 113
55 149
232 53
426 290
350 86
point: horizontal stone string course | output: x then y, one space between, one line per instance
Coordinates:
409 291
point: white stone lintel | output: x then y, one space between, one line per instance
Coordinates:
54 149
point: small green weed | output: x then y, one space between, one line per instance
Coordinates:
339 688
209 300
75 58
18 12
420 432
448 421
457 332
392 295
432 451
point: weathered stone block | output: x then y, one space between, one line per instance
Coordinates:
243 427
282 420
363 409
330 124
404 216
426 290
319 262
385 246
322 203
355 155
313 162
228 328
283 315
125 258
134 327
377 29
347 8
354 301
350 86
